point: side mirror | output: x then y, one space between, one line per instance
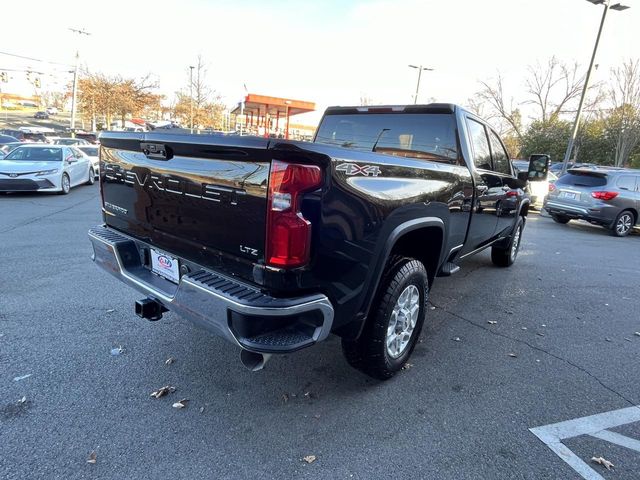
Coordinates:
538 167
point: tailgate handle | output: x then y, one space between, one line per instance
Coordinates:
156 151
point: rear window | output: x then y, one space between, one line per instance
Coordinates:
428 136
586 179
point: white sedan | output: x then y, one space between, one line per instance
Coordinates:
45 168
93 152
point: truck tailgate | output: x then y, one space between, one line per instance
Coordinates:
198 197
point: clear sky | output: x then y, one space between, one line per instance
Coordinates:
330 52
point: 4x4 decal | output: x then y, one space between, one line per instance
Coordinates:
355 169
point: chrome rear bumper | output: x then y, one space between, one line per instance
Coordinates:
238 312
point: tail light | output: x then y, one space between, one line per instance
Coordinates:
288 232
552 187
604 195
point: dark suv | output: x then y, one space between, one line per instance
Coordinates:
608 197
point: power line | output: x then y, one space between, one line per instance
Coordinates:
34 59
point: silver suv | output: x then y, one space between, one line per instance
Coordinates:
604 196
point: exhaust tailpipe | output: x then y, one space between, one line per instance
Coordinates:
254 361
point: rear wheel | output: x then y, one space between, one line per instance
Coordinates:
65 184
505 256
623 224
397 316
560 218
92 177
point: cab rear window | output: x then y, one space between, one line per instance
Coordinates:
586 179
426 136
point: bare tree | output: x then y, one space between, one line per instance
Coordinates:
625 116
491 99
208 110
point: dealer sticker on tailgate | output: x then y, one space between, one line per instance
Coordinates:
165 265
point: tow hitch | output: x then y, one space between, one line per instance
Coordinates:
150 309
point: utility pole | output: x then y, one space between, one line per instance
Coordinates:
191 67
74 98
420 69
576 122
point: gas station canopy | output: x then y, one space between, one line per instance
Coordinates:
264 113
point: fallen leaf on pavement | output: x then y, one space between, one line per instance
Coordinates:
603 461
540 334
524 328
431 307
92 458
22 400
111 310
456 339
309 458
407 366
285 397
181 404
627 339
608 339
117 351
637 334
169 361
513 355
161 392
492 322
201 409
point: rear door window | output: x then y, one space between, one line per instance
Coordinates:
500 157
626 182
481 151
580 179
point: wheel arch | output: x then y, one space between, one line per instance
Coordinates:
421 238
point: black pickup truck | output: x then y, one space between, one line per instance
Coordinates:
275 244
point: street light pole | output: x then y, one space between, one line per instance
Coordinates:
74 98
576 122
191 98
420 69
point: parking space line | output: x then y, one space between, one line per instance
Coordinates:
594 425
618 439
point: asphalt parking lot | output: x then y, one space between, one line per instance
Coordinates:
561 345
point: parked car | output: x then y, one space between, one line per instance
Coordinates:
41 115
70 141
93 153
6 139
22 136
90 137
607 197
45 168
8 147
52 111
275 245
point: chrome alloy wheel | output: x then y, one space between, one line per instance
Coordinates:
516 243
403 321
624 224
66 183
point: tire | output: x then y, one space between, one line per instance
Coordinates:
92 177
623 224
502 256
65 184
560 219
383 349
